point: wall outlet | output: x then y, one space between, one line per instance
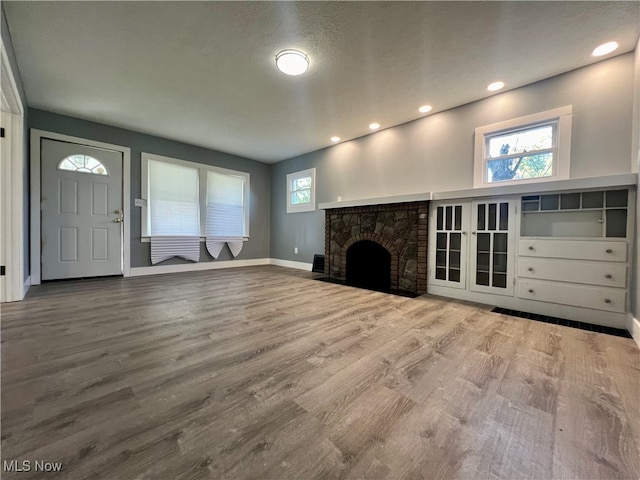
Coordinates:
295 250
139 202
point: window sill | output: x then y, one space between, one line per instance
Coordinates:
147 239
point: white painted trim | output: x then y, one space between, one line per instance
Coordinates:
307 207
634 328
12 93
291 264
36 137
197 267
605 181
562 156
26 287
587 315
12 190
362 202
216 265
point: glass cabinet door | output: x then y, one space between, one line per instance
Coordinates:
449 226
492 243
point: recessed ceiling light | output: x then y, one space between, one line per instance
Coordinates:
335 139
292 62
495 86
604 49
425 108
374 126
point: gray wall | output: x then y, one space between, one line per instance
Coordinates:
6 40
435 153
258 244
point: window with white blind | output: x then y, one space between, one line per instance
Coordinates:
173 200
225 205
183 198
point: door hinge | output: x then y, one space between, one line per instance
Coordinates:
2 132
2 270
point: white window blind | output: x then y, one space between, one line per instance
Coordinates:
225 206
173 200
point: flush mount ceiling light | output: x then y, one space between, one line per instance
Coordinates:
374 126
604 49
292 62
495 86
425 108
335 139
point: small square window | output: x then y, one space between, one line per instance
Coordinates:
527 149
301 194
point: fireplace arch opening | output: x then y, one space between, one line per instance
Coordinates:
368 266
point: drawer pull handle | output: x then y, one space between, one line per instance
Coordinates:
609 250
608 275
530 269
607 300
530 247
531 290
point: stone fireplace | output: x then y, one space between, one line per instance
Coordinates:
378 246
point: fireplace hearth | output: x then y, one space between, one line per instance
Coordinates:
380 247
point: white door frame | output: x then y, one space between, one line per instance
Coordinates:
36 254
12 175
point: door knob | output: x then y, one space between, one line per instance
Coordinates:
609 250
118 220
530 269
607 300
118 212
531 290
530 247
608 275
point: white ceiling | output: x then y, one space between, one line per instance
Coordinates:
204 72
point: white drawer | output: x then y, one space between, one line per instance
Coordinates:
574 249
608 274
599 298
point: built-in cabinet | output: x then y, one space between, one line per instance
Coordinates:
564 253
492 241
449 227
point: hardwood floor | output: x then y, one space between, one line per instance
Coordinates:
264 373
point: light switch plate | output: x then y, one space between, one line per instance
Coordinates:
139 202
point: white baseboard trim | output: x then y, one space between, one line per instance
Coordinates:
634 328
26 287
291 264
196 267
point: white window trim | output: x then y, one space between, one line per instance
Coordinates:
562 159
307 207
201 167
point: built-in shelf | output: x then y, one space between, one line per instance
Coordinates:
601 213
575 184
607 181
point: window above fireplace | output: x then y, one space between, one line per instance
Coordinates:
526 149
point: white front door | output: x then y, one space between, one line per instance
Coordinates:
81 211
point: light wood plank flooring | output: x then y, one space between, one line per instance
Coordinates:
265 373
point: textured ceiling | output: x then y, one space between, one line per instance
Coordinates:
204 72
